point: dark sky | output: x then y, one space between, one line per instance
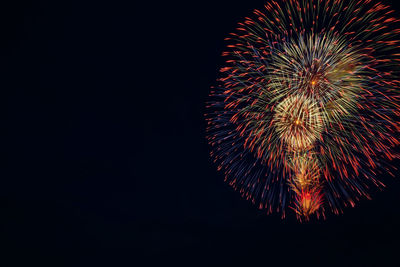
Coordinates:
106 161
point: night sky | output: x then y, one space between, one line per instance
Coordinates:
106 161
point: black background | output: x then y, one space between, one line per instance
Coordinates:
106 161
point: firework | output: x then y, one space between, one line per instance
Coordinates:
306 113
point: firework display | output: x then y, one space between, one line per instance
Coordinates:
306 112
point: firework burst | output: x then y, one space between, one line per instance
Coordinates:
306 114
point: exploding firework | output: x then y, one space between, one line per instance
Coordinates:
306 112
